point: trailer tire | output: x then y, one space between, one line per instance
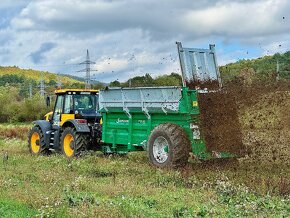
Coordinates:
168 146
73 144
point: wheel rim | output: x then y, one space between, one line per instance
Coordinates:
160 149
35 147
67 145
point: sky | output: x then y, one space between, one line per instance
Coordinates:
129 38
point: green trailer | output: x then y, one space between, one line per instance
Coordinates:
162 120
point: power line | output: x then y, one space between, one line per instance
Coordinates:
88 70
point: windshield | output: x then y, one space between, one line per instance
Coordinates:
85 104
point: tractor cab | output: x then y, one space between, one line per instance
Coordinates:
73 104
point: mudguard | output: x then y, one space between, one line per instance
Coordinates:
45 127
43 124
80 127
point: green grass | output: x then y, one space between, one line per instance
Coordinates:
14 209
128 186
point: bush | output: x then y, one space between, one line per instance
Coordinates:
16 109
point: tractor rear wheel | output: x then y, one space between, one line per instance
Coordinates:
36 142
73 143
169 146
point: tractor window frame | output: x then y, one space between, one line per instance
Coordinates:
72 106
97 102
54 109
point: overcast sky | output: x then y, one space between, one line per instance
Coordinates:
133 37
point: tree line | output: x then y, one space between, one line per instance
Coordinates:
173 79
17 105
263 69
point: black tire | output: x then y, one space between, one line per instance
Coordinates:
43 149
79 144
178 145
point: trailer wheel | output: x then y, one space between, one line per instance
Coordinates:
169 146
73 143
36 142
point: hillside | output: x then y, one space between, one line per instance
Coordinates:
82 79
262 68
35 75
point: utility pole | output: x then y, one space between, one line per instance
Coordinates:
130 82
41 85
30 90
132 59
277 70
58 84
88 70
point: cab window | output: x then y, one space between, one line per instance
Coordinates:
85 103
68 105
58 108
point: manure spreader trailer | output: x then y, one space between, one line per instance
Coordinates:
164 121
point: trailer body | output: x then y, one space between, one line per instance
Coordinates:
130 114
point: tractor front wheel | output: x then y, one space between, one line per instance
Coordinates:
73 143
36 142
169 146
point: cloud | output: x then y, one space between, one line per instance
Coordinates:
8 4
162 19
38 55
145 29
241 19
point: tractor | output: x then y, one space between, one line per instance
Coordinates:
164 121
72 127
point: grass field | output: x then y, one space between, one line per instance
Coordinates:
99 186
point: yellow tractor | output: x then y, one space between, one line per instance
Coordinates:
72 127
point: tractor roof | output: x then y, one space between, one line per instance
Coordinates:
63 91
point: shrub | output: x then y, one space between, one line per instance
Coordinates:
16 109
